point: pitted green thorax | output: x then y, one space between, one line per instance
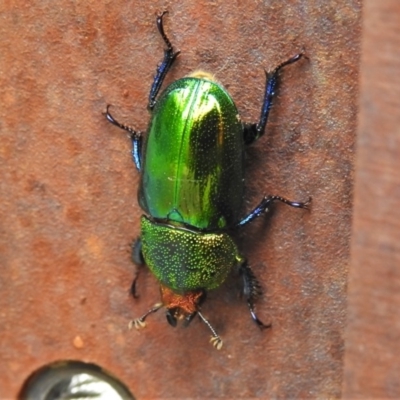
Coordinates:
185 260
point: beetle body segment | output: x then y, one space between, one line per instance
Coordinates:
193 156
185 260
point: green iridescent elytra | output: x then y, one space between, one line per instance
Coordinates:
192 167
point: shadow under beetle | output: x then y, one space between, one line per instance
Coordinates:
191 163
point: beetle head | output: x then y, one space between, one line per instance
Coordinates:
181 306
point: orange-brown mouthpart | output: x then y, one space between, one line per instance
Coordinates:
187 302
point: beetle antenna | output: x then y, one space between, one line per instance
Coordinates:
215 339
139 323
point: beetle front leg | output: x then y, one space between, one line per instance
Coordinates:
139 323
135 136
252 291
253 131
265 205
215 340
164 67
137 258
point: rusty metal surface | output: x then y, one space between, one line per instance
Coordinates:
372 366
68 193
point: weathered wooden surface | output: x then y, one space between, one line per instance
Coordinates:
372 363
68 193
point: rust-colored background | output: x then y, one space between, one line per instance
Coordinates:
372 362
68 193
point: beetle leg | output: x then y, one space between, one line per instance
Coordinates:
252 290
135 136
215 339
264 207
253 131
164 67
139 323
137 258
171 318
188 319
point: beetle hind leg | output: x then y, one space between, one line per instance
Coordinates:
162 70
252 291
253 131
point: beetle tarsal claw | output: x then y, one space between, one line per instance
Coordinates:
216 342
138 323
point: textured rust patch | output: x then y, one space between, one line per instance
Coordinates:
372 364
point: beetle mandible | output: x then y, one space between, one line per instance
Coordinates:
191 165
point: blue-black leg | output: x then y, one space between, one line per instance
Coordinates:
252 291
135 136
137 258
265 205
164 67
253 131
